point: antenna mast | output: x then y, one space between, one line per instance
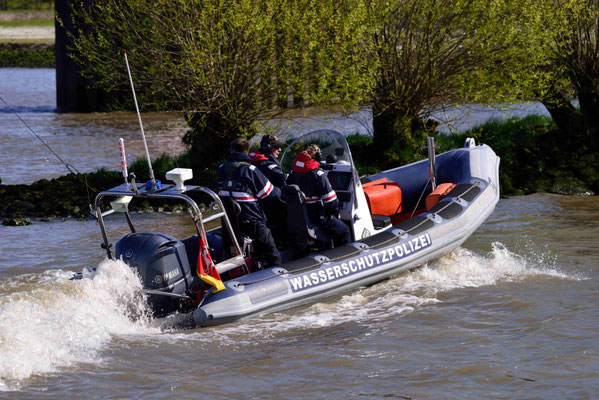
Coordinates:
140 124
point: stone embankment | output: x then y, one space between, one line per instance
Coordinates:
63 197
68 196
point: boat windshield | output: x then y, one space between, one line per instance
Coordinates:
333 146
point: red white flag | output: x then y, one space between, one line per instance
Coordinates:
206 268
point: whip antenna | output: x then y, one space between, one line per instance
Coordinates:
68 166
140 124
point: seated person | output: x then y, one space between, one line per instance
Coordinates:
321 199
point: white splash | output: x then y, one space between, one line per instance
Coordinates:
405 293
50 323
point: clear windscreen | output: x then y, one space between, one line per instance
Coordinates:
333 147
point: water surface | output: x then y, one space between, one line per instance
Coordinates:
512 314
90 141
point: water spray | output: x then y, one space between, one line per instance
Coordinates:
140 124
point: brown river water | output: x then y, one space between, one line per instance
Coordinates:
512 314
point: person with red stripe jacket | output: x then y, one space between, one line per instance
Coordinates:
243 183
321 199
265 158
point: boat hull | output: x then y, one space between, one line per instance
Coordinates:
398 248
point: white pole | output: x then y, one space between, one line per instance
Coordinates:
123 162
140 124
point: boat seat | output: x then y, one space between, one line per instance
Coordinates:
299 227
383 197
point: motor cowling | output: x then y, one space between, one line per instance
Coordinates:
162 264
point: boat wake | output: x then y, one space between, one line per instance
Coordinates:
403 294
50 323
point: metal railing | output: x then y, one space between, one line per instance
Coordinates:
167 192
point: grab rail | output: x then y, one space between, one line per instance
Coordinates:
168 192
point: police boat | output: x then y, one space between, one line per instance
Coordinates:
399 219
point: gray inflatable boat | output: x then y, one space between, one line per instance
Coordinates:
399 219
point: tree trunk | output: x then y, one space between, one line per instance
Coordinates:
73 92
390 128
210 139
589 108
567 118
581 125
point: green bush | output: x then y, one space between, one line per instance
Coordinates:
534 156
24 55
525 148
17 59
29 5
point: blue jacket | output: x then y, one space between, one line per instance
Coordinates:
269 166
248 186
321 199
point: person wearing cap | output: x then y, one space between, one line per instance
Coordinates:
321 200
266 159
243 183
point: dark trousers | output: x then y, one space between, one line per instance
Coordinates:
337 230
276 216
264 247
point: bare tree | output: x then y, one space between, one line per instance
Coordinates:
225 64
432 53
574 70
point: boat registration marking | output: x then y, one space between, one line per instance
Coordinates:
367 261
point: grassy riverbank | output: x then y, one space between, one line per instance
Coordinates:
27 39
67 196
533 159
27 55
535 156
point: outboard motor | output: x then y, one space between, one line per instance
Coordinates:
162 264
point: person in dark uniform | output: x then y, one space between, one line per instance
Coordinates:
266 159
321 200
243 183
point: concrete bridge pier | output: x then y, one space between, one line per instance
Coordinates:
73 92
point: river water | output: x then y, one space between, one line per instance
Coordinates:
510 314
90 141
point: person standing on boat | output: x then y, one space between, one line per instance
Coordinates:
321 200
243 183
266 159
